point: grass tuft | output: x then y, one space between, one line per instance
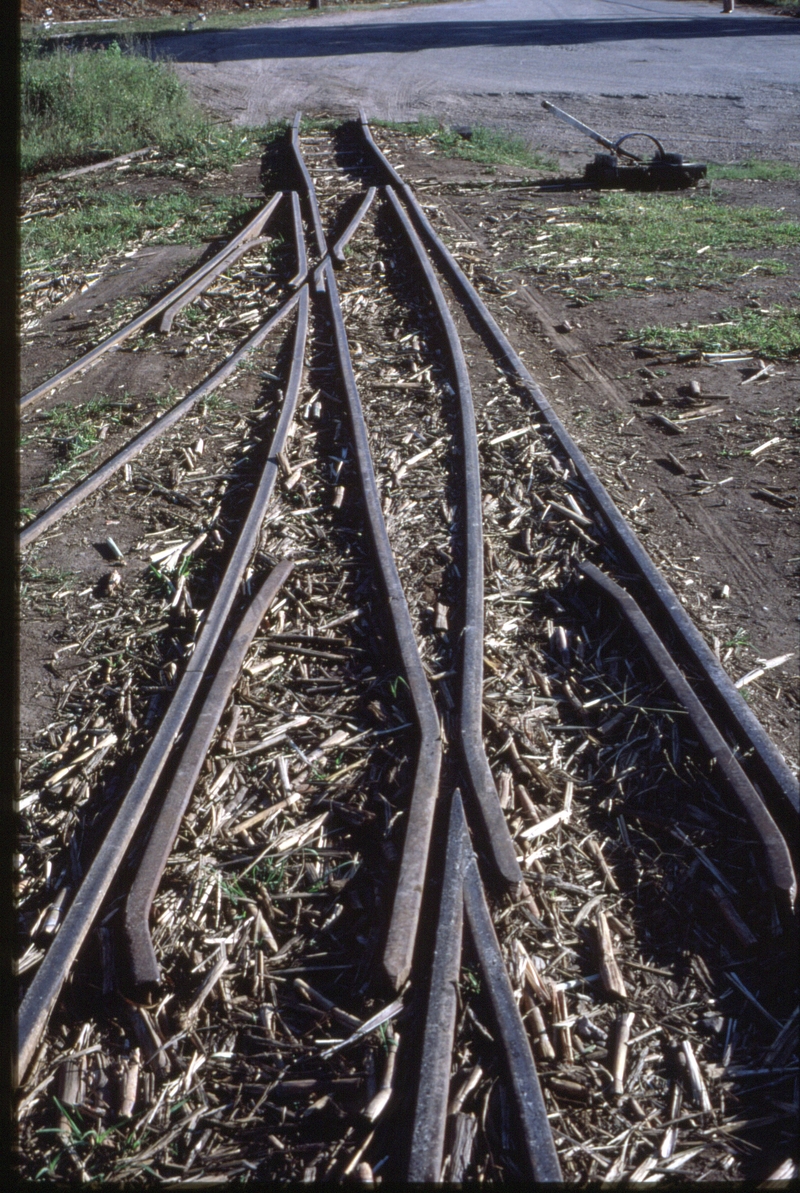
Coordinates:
80 106
756 171
772 335
484 145
652 241
95 222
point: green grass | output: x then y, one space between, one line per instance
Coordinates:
484 145
772 336
74 430
650 241
96 222
46 580
756 170
70 420
80 106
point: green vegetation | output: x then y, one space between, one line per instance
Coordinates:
482 145
79 106
69 420
756 170
649 241
45 581
773 335
95 222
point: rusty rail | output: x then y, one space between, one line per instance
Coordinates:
300 243
337 252
144 964
463 888
537 1136
772 767
168 318
133 447
462 895
48 980
433 1092
470 722
779 862
89 358
311 198
399 948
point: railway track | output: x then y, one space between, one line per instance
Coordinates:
456 616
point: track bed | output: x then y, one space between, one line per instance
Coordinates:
644 944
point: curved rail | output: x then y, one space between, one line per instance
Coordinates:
189 724
133 447
48 980
300 242
144 963
311 196
537 1136
779 862
433 1092
772 765
399 948
168 318
498 837
337 252
89 358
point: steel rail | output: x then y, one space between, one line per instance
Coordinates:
133 447
168 318
311 196
337 252
536 1133
89 358
497 836
300 243
55 966
433 1092
144 963
399 948
772 766
779 862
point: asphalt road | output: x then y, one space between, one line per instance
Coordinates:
731 82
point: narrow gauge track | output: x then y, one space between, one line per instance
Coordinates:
405 463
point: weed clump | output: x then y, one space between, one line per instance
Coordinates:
477 144
773 334
79 106
756 171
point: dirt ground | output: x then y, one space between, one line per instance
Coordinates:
100 655
737 537
76 10
87 10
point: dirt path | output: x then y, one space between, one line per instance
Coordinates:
714 86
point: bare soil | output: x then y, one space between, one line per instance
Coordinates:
88 10
241 1090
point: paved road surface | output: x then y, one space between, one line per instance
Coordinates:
719 85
